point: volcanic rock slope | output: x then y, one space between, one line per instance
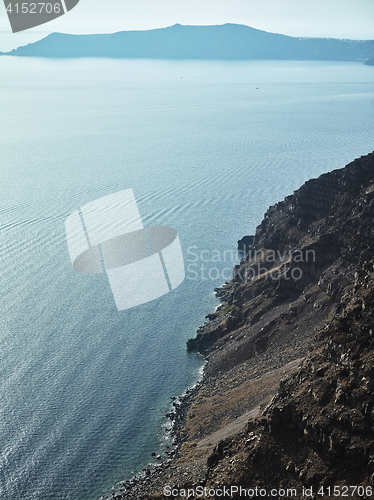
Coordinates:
286 400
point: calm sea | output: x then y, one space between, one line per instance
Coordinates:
206 148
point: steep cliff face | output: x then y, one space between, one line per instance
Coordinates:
318 430
287 396
303 258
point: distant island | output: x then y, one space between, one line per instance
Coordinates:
223 42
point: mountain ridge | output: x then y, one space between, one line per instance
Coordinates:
221 42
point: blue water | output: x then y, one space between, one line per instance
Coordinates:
206 148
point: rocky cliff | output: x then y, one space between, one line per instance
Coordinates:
287 400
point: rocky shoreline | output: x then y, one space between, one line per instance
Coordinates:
286 399
154 477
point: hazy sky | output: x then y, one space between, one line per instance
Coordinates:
321 18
